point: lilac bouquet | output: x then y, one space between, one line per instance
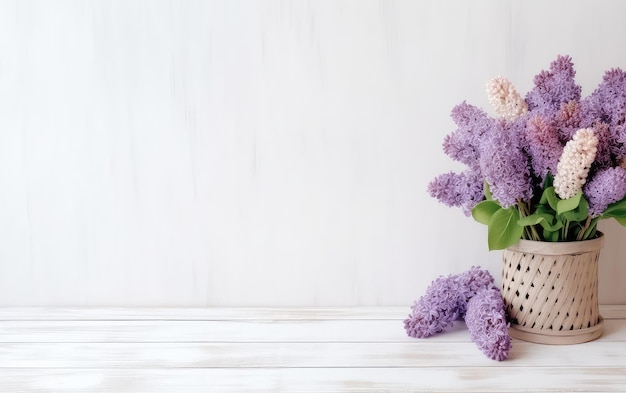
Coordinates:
549 166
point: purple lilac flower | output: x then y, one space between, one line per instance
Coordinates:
607 104
554 87
486 321
458 189
445 301
568 120
606 187
436 310
471 282
619 136
504 164
544 145
604 157
464 144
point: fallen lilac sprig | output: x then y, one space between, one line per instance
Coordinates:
450 298
445 301
486 321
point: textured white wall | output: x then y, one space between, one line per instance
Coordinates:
257 152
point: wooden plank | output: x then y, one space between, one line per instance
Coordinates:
228 314
432 379
235 331
301 355
203 314
212 331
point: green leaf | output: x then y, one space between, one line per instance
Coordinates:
503 230
569 204
549 195
580 213
484 210
617 209
546 220
533 219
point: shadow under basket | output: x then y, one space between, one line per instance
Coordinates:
551 291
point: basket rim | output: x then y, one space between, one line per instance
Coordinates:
565 337
559 248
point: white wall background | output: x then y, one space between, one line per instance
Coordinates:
258 152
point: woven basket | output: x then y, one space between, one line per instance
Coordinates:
551 291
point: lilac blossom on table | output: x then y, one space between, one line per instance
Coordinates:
470 283
445 301
607 186
486 321
450 298
436 310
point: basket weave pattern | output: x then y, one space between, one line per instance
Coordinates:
553 293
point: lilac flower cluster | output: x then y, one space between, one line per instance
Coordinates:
464 144
575 162
607 105
567 120
608 186
544 145
486 321
445 301
554 87
504 165
450 298
436 310
505 99
515 152
458 189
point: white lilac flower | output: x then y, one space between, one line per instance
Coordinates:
573 168
505 99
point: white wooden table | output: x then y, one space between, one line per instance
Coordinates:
283 350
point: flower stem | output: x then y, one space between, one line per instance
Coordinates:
530 230
587 229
